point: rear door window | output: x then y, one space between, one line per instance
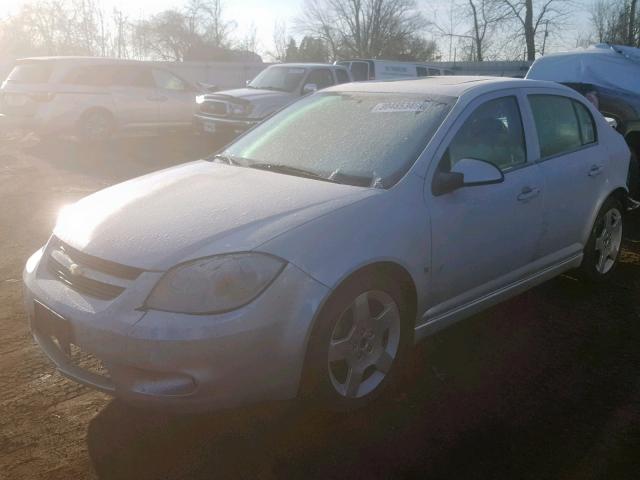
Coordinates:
322 77
37 72
556 123
133 76
342 76
91 75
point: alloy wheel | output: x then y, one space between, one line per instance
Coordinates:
364 344
609 240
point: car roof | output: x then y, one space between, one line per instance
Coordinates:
449 85
72 59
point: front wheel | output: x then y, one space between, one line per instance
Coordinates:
358 345
604 244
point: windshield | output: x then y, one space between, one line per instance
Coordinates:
366 139
38 72
285 79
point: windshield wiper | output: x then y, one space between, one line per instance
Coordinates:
287 170
229 159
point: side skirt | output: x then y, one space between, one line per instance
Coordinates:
446 319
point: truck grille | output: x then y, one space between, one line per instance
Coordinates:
214 107
74 269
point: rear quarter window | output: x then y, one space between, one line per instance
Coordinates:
38 72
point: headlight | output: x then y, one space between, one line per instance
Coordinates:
214 284
200 99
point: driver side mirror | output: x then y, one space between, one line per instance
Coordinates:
309 88
467 172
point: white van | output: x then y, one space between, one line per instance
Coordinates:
390 70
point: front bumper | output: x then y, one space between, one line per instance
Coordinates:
178 361
211 124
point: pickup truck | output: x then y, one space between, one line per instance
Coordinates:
232 112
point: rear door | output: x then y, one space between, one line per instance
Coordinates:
135 97
573 164
175 98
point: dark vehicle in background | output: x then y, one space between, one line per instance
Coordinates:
233 111
608 75
95 98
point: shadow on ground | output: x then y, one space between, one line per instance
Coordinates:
123 158
543 386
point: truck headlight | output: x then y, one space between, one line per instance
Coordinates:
215 284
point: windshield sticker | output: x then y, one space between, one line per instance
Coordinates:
388 107
296 71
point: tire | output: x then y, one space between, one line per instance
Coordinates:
96 126
633 177
359 344
603 247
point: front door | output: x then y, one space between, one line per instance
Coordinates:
485 237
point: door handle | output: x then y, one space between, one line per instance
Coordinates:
527 194
595 170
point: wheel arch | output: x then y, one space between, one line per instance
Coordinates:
97 108
382 267
620 194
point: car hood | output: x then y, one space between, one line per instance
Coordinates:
194 210
252 94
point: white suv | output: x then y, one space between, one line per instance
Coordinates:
94 98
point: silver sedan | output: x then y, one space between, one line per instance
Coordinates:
307 257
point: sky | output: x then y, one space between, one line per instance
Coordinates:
263 14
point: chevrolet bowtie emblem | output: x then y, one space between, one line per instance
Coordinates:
76 270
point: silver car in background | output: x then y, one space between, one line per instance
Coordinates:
95 98
309 256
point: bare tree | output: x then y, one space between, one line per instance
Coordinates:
616 22
279 53
486 16
362 28
530 18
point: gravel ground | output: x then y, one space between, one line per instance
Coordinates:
544 386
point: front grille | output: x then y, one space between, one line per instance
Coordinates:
214 107
74 270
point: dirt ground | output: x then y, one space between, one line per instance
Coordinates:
545 386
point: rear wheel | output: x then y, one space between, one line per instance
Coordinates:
359 343
603 248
